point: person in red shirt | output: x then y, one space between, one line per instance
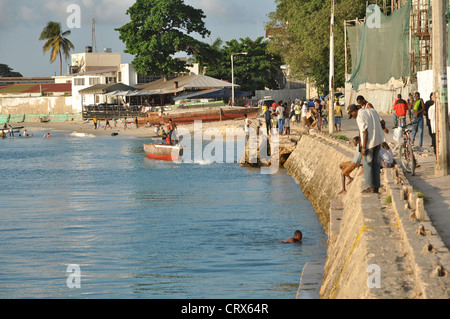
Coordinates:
400 109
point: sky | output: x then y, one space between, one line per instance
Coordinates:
22 21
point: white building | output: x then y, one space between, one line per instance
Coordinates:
88 69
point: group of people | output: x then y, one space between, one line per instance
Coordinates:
418 112
280 114
372 151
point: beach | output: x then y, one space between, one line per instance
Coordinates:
131 130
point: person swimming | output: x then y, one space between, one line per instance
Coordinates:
296 239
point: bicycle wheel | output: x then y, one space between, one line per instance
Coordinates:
412 160
405 157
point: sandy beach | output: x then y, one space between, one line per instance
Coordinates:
131 130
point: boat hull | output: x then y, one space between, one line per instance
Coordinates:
162 152
205 115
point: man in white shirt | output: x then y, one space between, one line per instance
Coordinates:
372 130
304 112
280 113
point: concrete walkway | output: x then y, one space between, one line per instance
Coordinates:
436 189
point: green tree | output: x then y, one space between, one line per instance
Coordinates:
158 30
7 72
56 42
303 37
255 71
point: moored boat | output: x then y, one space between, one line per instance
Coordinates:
212 114
163 152
16 129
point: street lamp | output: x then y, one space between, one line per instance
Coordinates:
232 74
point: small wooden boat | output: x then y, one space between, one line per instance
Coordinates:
212 114
16 129
163 152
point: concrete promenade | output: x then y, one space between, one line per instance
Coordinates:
436 189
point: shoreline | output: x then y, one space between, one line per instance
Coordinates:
130 131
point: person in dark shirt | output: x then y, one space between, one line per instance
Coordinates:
428 104
268 117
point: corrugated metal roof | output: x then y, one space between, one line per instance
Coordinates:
36 88
187 82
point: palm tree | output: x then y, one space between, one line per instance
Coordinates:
56 42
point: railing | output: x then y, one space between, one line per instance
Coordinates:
114 111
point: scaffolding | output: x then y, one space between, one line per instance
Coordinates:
420 50
420 37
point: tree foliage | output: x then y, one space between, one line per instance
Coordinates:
254 71
57 42
7 72
303 37
158 30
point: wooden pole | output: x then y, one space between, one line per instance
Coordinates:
331 84
439 31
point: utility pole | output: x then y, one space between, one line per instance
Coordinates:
331 84
440 56
232 75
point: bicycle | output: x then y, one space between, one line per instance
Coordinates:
406 153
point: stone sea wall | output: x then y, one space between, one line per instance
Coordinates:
379 246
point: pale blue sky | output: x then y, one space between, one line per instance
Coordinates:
21 22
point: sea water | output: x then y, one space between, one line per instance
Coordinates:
91 217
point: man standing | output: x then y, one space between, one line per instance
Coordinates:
337 116
372 135
400 111
280 113
268 118
298 111
419 108
431 116
95 122
428 104
318 111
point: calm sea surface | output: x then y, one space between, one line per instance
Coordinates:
144 229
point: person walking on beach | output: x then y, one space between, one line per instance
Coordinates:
107 124
371 136
136 122
418 113
95 122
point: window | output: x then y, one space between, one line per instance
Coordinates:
111 80
94 81
79 82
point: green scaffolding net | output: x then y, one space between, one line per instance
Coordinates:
380 47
